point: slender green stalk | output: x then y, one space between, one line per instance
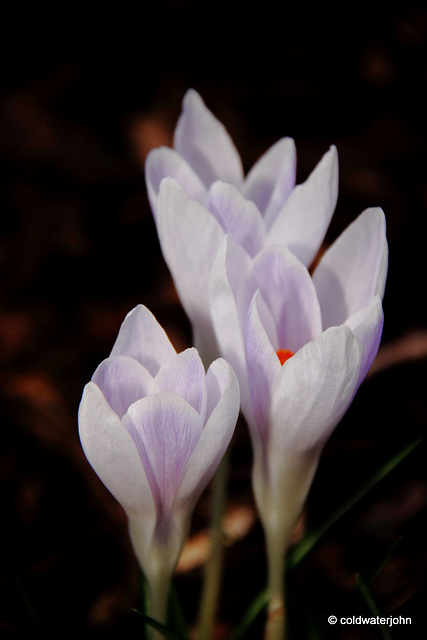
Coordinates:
213 568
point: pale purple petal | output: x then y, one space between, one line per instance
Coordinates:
288 291
190 238
142 338
272 178
122 381
262 363
223 410
205 144
113 455
164 162
367 326
237 216
185 375
165 429
353 270
229 272
312 392
302 222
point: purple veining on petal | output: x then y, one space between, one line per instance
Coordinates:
271 179
237 216
348 275
123 381
142 338
205 144
288 291
262 362
313 390
165 429
302 222
165 162
185 375
367 326
222 413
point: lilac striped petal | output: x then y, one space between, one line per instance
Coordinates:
262 364
205 144
272 178
122 381
237 216
367 326
113 455
303 221
190 238
185 375
288 291
165 429
229 272
354 268
164 162
223 410
142 338
312 392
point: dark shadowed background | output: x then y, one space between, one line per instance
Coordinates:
83 99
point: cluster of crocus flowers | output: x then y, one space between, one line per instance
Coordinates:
206 195
154 426
300 343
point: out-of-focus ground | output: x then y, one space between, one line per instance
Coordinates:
78 250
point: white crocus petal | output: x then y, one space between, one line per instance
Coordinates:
142 338
312 392
272 178
309 396
190 237
185 375
163 162
288 291
367 326
302 222
229 271
113 455
237 216
122 381
165 429
353 270
223 410
263 365
205 144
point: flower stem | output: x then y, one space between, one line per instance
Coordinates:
158 590
213 568
275 623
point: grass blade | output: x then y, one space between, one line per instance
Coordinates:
368 598
252 612
307 544
161 628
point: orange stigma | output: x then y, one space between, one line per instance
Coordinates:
283 355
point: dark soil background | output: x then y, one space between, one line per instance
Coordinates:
83 99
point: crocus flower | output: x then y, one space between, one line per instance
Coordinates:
262 209
154 427
300 347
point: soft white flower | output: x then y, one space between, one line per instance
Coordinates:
262 209
300 347
154 427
